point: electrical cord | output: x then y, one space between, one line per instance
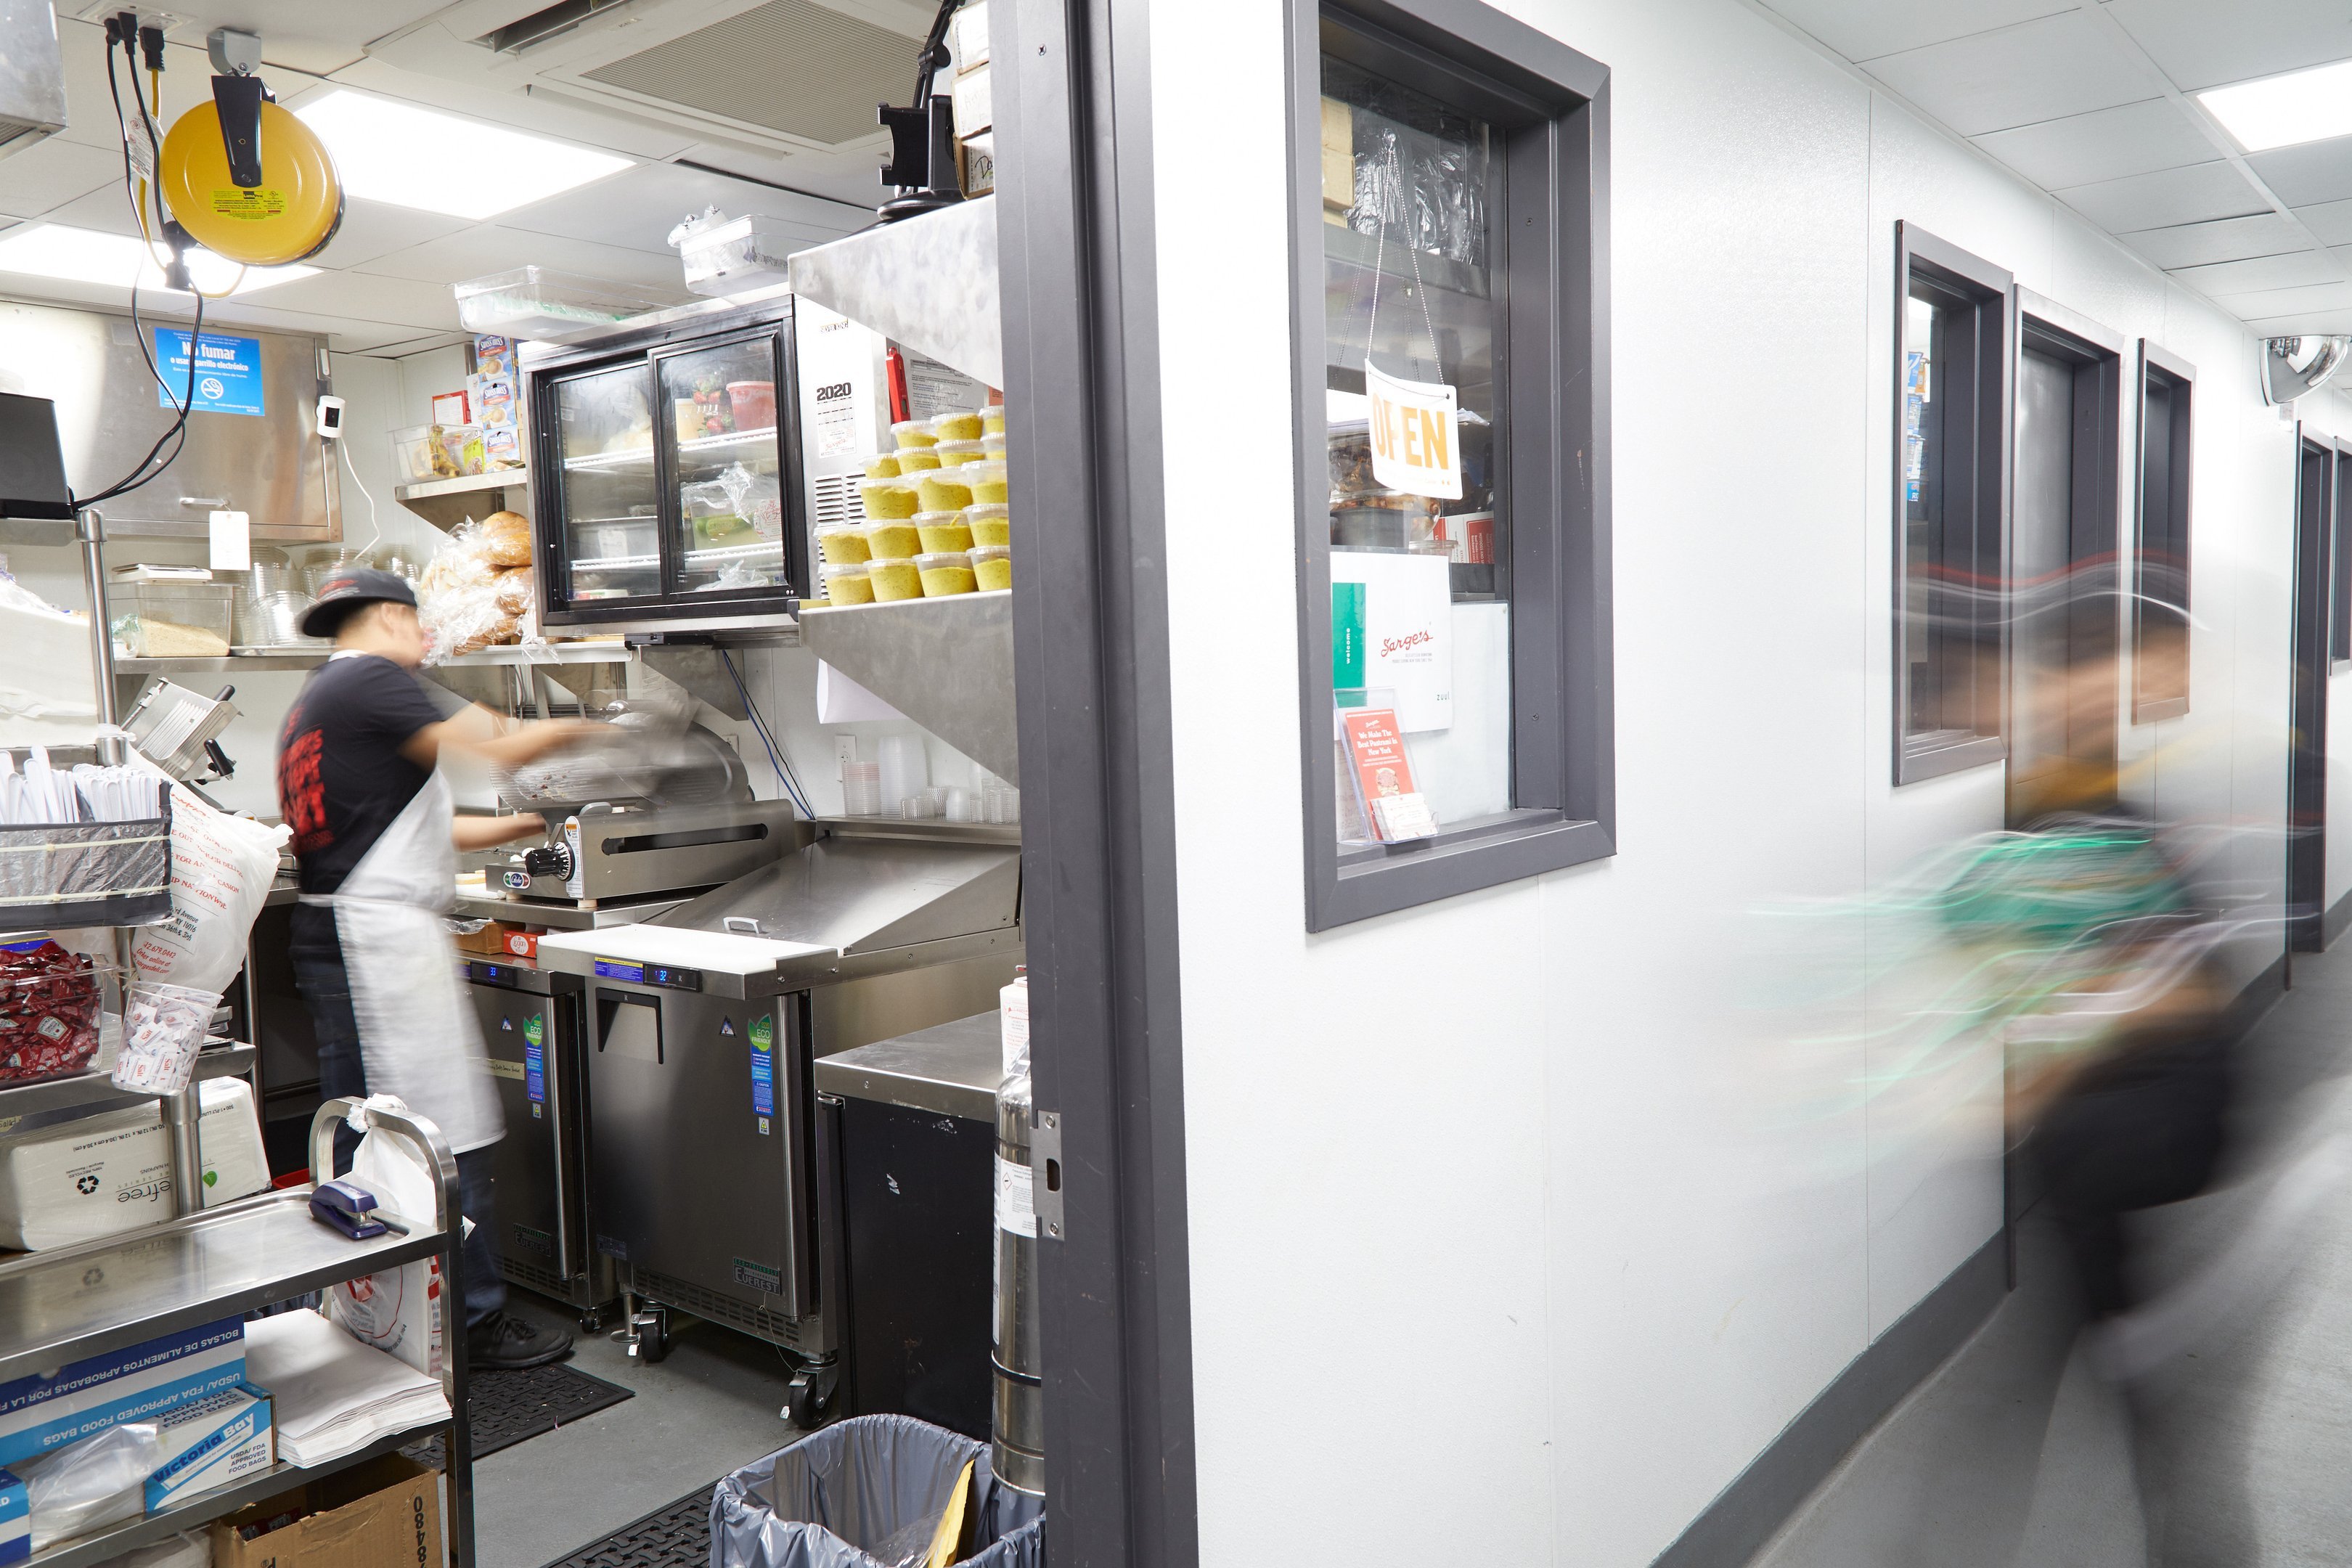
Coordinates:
375 528
785 778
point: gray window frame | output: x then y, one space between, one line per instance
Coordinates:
1554 102
1992 407
2180 493
2339 565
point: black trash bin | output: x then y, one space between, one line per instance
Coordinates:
842 1495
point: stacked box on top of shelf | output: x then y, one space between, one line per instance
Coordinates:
44 1412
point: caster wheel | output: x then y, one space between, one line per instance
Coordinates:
810 1401
649 1341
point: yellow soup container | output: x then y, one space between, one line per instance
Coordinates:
954 453
892 539
849 585
991 420
943 492
842 544
991 566
915 459
989 521
894 580
991 447
913 433
891 498
943 530
986 480
961 426
946 573
885 467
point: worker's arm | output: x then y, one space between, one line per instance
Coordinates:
487 832
490 737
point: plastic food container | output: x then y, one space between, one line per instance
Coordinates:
954 454
890 497
993 447
943 492
946 573
753 403
892 541
991 420
943 530
963 425
991 566
914 432
540 302
439 451
738 255
894 580
986 480
991 522
913 459
174 620
885 467
851 582
842 543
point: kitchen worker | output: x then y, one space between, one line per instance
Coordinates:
376 838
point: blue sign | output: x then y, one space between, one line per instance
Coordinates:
228 372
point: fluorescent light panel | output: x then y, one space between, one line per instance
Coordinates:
94 256
392 151
2282 111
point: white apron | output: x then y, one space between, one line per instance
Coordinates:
418 1038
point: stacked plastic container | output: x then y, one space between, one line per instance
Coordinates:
937 522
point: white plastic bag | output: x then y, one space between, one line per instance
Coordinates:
222 867
165 1029
400 1310
95 1482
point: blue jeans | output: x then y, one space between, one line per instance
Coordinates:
317 954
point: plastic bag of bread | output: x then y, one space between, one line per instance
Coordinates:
506 539
458 597
518 590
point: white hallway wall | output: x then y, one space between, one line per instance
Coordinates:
1580 1171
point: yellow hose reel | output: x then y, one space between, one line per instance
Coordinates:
249 181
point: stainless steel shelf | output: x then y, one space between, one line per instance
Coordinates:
245 659
463 484
96 1091
488 906
74 1302
205 1507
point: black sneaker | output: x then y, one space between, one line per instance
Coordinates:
504 1342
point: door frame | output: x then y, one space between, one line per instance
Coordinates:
2097 513
2309 664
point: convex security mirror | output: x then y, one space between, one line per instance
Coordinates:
2297 367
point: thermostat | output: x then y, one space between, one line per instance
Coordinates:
330 417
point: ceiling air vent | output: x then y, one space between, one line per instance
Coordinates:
540 26
791 65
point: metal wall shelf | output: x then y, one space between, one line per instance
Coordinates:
96 1091
445 503
588 650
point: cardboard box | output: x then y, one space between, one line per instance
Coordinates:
520 943
139 1382
212 1443
15 1520
386 1513
489 941
72 1180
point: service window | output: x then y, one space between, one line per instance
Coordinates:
2339 567
2161 543
1452 403
1951 506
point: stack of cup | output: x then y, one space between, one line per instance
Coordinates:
861 789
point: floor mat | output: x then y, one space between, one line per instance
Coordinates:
509 1406
676 1535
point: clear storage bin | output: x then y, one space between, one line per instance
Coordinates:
738 255
541 303
439 451
174 620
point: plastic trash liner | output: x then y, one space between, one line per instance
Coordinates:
866 1486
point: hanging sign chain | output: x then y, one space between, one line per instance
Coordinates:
1389 181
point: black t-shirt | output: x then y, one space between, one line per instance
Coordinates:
341 777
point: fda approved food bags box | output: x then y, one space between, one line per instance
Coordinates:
211 1443
137 1383
72 1180
15 1520
386 1513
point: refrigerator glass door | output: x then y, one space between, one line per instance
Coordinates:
610 492
718 407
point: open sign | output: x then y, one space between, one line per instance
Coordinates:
1414 437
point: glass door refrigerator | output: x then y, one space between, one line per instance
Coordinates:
668 492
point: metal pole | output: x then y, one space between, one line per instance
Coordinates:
179 1109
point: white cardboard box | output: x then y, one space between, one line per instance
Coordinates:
72 1180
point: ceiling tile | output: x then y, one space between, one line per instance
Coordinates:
2311 173
853 176
361 297
2046 69
2331 221
52 173
2197 194
542 113
187 75
104 208
638 207
370 229
2282 302
1865 30
488 248
2305 322
2227 240
2204 43
304 33
2107 144
2262 272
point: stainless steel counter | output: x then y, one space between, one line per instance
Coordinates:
952 1070
472 906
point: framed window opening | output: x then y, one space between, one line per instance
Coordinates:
2339 567
2064 622
1450 196
2160 546
1953 397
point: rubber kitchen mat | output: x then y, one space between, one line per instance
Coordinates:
510 1406
675 1535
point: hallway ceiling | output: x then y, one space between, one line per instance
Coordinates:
2092 100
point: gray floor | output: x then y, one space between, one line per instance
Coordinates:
706 1409
2018 1451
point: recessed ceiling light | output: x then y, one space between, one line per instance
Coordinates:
2282 110
392 151
94 256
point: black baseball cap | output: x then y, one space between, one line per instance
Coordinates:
345 590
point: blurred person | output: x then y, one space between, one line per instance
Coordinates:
376 838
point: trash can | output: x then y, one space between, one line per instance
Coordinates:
868 1492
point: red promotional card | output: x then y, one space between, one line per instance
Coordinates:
1377 750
